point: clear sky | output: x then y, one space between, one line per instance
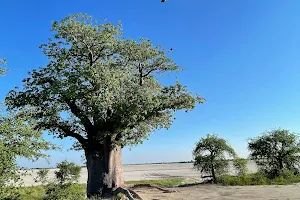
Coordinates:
242 56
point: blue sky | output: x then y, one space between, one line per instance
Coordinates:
242 56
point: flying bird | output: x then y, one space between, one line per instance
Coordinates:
163 1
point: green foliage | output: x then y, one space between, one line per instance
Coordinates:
42 176
74 191
107 85
18 139
240 165
2 70
120 196
210 155
67 191
207 164
169 182
276 151
31 193
68 172
249 179
258 179
52 191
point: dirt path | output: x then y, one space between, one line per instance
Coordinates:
213 192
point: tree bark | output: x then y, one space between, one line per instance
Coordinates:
213 173
104 166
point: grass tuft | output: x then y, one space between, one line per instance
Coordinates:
169 182
257 179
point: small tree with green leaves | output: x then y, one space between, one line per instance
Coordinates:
68 172
42 176
210 156
275 151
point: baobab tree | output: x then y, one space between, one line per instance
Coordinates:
103 91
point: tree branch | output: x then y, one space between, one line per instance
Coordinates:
66 129
78 113
151 70
68 133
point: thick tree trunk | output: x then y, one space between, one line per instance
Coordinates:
105 172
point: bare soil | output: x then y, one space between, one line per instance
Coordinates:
215 192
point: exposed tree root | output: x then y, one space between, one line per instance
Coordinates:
151 186
135 195
190 184
207 176
195 184
127 190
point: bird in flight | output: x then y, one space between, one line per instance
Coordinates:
163 1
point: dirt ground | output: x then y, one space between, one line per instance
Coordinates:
213 192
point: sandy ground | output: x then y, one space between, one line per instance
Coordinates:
141 172
213 192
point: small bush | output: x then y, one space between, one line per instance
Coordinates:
69 191
259 179
31 193
68 172
42 176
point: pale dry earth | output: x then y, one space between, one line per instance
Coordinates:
214 192
142 172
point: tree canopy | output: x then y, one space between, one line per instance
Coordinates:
210 155
275 151
104 84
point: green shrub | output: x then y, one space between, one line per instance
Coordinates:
52 191
240 165
68 172
287 174
42 176
31 193
68 191
169 182
9 193
259 179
